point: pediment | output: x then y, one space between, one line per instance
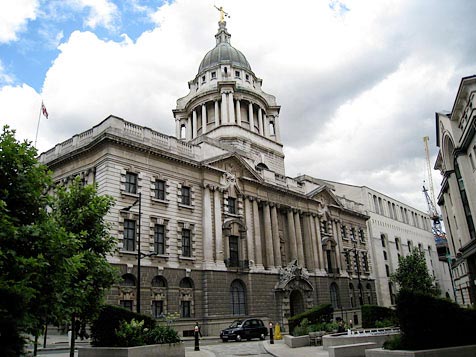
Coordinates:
324 195
233 165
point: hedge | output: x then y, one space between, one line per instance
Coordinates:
373 313
429 322
103 329
314 315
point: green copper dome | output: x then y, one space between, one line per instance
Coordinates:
223 53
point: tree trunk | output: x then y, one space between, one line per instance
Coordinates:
35 347
73 336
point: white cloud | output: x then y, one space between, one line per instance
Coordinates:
14 15
358 90
101 12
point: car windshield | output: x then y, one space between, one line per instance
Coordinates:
236 323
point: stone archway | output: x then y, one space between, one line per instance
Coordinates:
296 302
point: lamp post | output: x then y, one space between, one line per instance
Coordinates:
139 200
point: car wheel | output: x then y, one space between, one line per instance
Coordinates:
262 336
238 338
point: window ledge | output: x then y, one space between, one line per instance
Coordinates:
130 194
186 258
181 205
235 215
128 252
157 200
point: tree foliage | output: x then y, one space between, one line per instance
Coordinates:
52 249
412 275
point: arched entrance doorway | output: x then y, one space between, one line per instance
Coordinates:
296 303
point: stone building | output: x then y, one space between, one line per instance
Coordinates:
223 231
395 229
456 161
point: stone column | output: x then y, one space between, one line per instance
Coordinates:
224 111
194 116
249 231
307 241
268 236
336 237
217 115
207 238
189 128
218 229
231 108
277 131
177 128
250 114
204 118
266 126
260 121
292 235
314 242
319 243
238 112
257 231
276 240
300 248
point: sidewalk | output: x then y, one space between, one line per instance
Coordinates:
280 349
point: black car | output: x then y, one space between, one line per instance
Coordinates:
244 329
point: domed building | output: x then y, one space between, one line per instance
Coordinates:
208 225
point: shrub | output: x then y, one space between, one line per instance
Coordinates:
162 334
394 343
302 329
314 315
130 334
109 320
429 322
373 315
324 326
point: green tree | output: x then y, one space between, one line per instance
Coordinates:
412 275
80 211
27 243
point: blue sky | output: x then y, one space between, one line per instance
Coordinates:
358 81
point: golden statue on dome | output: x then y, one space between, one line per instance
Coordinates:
223 13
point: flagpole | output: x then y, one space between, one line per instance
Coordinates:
38 125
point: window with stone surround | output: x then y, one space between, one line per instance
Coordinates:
129 237
343 231
130 185
185 195
186 297
234 259
159 239
352 233
158 308
126 304
232 205
361 235
186 243
335 298
159 189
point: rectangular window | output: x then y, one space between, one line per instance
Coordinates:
325 229
159 190
234 255
231 205
247 77
203 79
347 260
361 235
157 308
185 308
343 231
214 75
131 182
159 239
237 74
126 304
352 233
186 243
185 195
129 241
365 261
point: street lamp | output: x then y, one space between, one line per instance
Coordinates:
138 200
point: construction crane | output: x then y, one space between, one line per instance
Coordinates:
438 233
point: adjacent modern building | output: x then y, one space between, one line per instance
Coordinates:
395 229
222 231
455 134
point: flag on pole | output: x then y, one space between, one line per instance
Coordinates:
44 111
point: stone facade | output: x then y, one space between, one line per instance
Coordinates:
224 232
455 133
395 229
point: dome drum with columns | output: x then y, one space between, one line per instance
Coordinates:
226 103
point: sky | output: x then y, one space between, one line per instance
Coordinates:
358 81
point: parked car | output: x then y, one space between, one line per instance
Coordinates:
244 329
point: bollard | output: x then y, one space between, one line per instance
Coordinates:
271 335
196 332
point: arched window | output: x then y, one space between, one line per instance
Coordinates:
186 283
238 298
183 131
128 280
159 282
335 298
